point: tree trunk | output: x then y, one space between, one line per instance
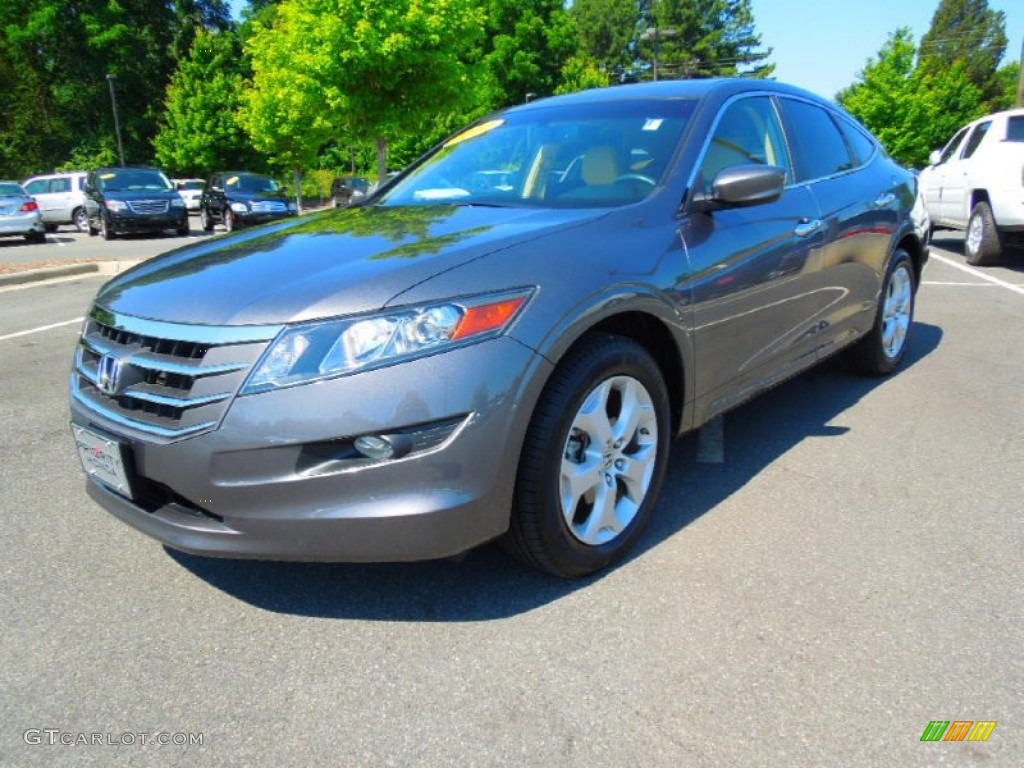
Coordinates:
298 187
382 160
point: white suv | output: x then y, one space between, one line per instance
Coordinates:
977 184
61 199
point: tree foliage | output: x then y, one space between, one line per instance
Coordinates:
366 69
704 38
200 130
911 110
967 32
688 38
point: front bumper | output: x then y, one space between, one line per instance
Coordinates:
274 482
250 219
137 222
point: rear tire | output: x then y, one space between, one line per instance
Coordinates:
881 351
982 243
80 219
593 460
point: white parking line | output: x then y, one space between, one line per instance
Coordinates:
977 273
41 328
711 442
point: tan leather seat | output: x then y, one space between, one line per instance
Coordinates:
600 166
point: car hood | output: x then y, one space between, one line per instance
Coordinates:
334 263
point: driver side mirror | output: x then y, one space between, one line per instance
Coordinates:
743 185
935 157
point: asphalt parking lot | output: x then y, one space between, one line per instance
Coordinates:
832 569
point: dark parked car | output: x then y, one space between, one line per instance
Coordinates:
19 213
348 190
237 198
121 200
457 361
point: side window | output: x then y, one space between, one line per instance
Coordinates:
36 187
947 153
1015 128
862 146
60 185
818 148
975 138
748 132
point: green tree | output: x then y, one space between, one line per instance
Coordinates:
54 56
910 110
608 32
527 42
363 69
200 131
969 32
1008 78
704 38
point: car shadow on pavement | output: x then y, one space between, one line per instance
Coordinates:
1011 260
488 585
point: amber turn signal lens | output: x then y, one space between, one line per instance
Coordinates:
487 317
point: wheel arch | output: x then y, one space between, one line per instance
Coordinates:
653 334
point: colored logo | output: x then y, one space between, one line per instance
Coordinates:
958 730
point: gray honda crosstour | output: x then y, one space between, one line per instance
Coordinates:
502 342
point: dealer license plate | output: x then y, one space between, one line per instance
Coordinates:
103 459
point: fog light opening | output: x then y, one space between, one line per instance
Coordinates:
383 447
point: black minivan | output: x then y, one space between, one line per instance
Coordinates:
238 198
121 200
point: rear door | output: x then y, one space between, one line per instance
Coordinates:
753 269
860 199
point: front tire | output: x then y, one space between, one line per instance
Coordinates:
229 220
204 220
593 460
881 351
982 243
105 231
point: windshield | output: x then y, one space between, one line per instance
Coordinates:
571 156
248 183
11 190
134 180
186 185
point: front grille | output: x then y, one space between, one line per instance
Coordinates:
149 206
269 206
168 379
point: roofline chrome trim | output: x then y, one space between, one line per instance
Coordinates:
199 334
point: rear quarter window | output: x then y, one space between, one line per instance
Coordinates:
1015 128
818 148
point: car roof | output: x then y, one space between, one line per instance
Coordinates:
672 89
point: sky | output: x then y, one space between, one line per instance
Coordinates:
822 45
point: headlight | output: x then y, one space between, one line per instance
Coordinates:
177 202
331 348
116 205
239 208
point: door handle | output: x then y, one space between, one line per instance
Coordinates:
884 199
807 227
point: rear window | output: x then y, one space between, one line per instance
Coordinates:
1015 128
818 147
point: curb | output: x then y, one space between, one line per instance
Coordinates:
47 273
71 270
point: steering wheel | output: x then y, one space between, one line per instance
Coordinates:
634 177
